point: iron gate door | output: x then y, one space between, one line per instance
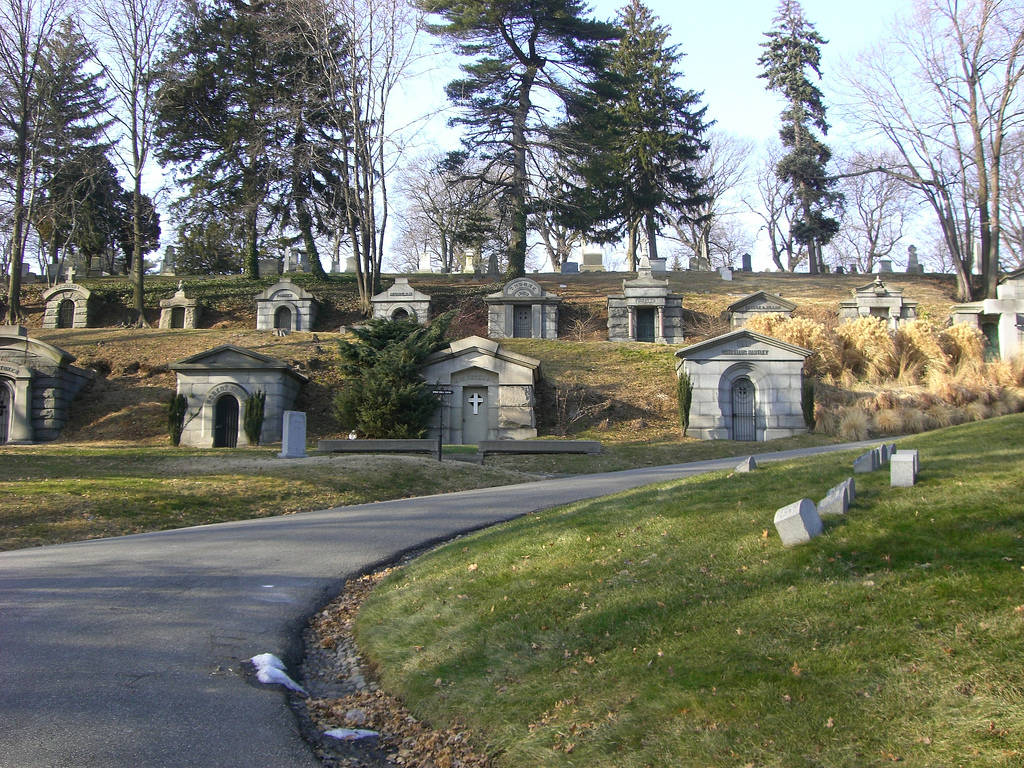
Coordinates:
283 318
66 314
743 409
522 322
225 422
645 324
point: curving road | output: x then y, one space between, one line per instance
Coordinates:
120 653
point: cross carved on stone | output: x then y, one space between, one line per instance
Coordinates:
476 401
71 274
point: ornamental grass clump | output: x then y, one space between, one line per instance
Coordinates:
870 348
803 332
963 345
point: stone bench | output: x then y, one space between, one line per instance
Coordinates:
401 445
488 447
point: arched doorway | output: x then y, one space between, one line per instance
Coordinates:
177 317
400 314
66 314
522 321
5 412
283 318
225 422
743 409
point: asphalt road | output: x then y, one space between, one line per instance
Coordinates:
124 653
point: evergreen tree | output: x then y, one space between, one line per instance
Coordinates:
516 48
633 139
794 46
384 395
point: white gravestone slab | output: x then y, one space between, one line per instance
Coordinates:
903 470
867 462
293 436
836 501
747 465
798 523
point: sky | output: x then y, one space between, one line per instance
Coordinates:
720 41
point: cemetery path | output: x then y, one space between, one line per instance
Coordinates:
126 652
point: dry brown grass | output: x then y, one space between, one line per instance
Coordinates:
854 423
806 333
963 345
869 349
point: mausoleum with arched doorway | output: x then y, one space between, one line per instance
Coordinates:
179 311
746 386
285 307
67 306
522 310
216 385
402 302
37 386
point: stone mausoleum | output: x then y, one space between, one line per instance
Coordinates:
645 310
877 300
67 305
492 391
217 384
37 385
522 310
745 387
402 302
179 311
1001 319
285 306
760 303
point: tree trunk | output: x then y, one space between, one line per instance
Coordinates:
17 246
517 240
652 236
252 262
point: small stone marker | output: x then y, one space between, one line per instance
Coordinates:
798 523
903 469
725 273
293 436
747 465
867 462
836 501
881 454
851 488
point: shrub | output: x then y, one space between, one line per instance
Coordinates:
252 421
384 395
890 421
807 402
684 391
854 424
963 345
870 339
176 410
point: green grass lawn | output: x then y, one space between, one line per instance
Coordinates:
667 626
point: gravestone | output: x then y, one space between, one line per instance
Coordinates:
179 311
218 382
747 465
592 259
913 266
877 300
659 266
746 263
745 386
402 301
913 453
699 264
471 264
37 387
268 267
880 456
522 310
903 469
285 306
293 436
866 462
885 265
836 501
492 391
645 310
1001 319
798 523
760 303
570 268
851 488
725 273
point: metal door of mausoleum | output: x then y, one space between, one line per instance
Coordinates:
743 409
522 322
5 411
225 422
645 317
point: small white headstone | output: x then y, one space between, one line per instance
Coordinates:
867 462
798 523
293 436
726 273
903 469
747 465
836 501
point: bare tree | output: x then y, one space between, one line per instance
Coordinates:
710 229
131 35
1012 216
556 239
943 93
25 27
379 49
877 208
777 209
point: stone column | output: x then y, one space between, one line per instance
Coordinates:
632 322
21 411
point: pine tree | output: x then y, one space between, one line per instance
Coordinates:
633 139
794 46
516 48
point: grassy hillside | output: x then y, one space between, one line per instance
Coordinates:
592 388
667 625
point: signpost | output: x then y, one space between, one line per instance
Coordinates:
443 393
